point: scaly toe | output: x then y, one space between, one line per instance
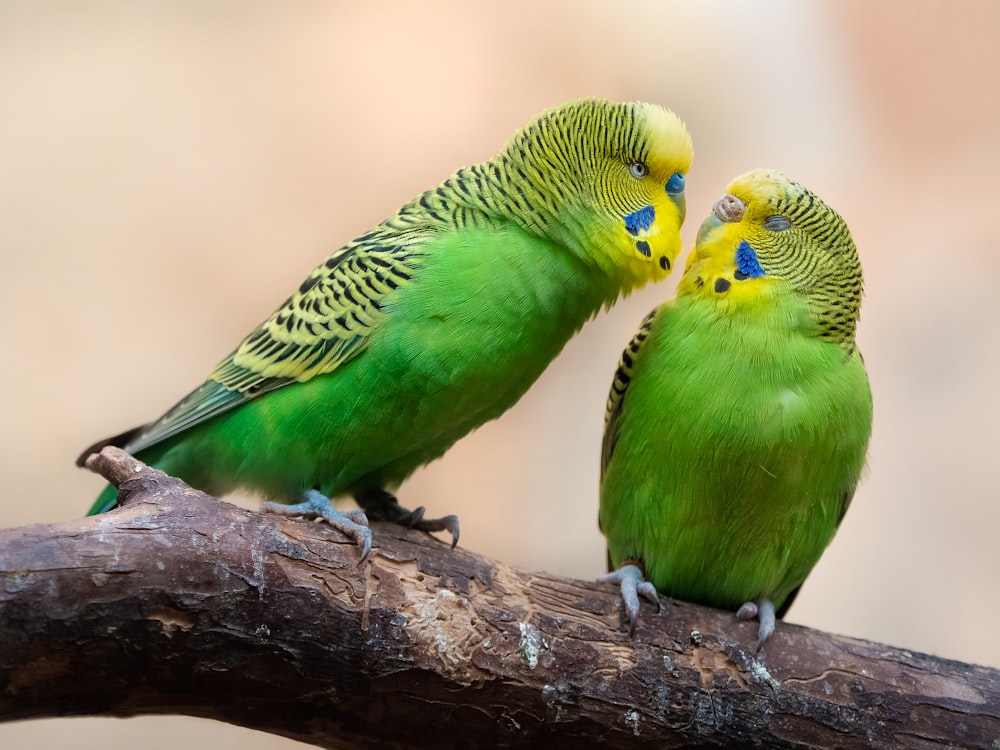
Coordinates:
415 520
632 584
763 610
352 523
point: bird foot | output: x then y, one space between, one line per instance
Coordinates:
763 611
415 520
633 584
383 506
353 523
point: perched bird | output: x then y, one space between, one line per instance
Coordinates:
434 322
738 420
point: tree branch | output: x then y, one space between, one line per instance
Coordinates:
179 603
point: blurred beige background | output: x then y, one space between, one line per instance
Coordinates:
170 171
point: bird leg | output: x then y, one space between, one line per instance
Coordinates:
763 610
633 584
353 523
380 505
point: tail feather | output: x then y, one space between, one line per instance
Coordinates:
783 609
109 495
119 441
105 501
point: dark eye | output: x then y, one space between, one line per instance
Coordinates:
777 223
675 185
638 170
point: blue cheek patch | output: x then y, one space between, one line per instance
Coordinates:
747 264
639 220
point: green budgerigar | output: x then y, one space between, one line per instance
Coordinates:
433 322
739 418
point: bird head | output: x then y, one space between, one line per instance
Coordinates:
769 236
608 180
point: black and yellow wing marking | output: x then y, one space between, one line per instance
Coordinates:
325 323
619 387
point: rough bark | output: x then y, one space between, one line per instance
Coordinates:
180 603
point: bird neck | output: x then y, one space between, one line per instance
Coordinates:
507 188
835 305
503 191
824 306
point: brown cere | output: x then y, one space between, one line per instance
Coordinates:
729 208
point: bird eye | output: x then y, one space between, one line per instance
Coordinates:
675 185
638 170
777 223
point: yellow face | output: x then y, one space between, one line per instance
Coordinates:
645 189
770 240
745 225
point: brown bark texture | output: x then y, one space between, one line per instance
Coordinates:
179 603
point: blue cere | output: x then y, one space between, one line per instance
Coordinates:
636 221
747 265
675 185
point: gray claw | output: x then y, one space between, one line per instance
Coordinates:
763 610
353 523
633 584
415 520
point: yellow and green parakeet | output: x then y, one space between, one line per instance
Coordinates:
433 322
738 421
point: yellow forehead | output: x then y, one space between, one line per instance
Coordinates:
670 143
764 189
